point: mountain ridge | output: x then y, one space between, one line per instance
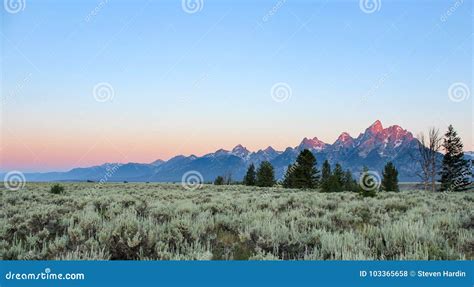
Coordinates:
372 148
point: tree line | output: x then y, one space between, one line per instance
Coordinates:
455 171
304 174
452 171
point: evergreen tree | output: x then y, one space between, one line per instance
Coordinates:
456 172
288 179
368 185
250 177
265 175
390 178
339 173
303 174
336 180
333 184
325 176
349 183
219 180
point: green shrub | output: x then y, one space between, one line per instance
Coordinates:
57 189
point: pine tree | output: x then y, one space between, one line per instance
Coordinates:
338 173
336 180
349 183
390 178
333 184
265 175
250 177
303 174
368 185
456 172
288 179
325 176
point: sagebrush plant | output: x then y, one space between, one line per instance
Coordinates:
138 221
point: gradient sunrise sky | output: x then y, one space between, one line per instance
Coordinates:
191 83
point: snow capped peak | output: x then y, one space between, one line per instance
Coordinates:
395 129
344 137
343 141
239 147
240 151
313 143
221 151
385 142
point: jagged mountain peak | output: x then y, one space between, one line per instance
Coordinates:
240 151
311 144
239 147
269 149
343 141
344 137
384 142
375 128
396 130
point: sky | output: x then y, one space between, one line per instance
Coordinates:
89 82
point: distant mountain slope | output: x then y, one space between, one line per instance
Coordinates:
372 148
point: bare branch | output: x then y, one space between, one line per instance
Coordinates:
428 148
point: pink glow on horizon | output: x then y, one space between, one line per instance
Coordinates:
64 150
28 155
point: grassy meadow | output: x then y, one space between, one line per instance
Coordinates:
141 221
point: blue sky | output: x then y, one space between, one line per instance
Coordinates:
189 83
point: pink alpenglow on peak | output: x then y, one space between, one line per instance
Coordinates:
375 128
311 144
343 141
397 131
344 137
384 141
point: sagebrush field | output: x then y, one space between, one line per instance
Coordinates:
166 222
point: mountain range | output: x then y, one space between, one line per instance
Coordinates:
373 148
